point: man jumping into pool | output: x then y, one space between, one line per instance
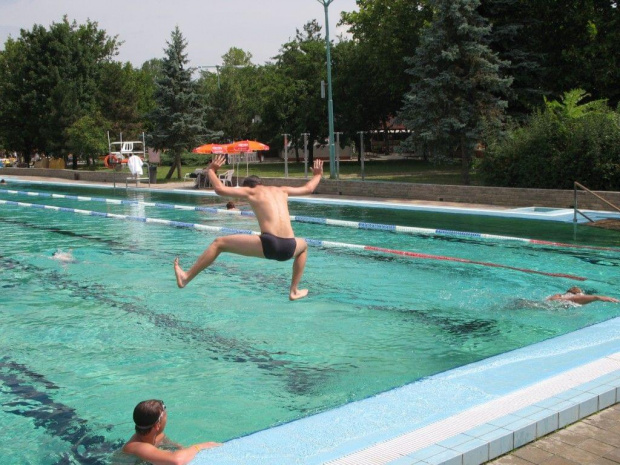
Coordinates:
277 240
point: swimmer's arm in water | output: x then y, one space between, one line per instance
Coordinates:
156 456
583 299
168 443
586 299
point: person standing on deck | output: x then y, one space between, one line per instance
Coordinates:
277 240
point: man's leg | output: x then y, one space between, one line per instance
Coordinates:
301 254
240 244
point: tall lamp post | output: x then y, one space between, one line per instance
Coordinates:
330 101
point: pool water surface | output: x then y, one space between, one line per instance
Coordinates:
83 342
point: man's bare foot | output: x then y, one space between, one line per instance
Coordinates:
181 276
299 294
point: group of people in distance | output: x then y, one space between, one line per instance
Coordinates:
277 241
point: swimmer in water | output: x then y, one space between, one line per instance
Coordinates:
577 296
151 444
63 257
277 240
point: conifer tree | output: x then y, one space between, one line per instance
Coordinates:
178 117
457 86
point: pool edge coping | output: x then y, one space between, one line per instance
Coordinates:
481 441
559 355
559 214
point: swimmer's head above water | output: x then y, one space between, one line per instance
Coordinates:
574 290
148 414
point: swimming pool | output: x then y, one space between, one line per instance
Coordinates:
83 342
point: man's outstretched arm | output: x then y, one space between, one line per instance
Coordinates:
310 186
218 185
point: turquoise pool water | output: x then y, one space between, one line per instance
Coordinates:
83 342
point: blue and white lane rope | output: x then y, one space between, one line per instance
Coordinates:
309 219
311 242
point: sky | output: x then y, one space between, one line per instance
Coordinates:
210 27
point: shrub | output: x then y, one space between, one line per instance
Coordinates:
566 142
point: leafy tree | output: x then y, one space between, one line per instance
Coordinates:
567 141
178 118
86 139
146 80
512 38
553 47
118 98
48 80
231 94
236 57
371 76
301 66
579 42
278 105
456 87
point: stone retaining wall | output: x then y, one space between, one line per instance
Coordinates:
79 175
499 196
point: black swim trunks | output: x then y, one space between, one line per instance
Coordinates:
278 248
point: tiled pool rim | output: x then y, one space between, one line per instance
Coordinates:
464 416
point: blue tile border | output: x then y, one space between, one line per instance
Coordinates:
337 433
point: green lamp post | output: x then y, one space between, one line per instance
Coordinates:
330 101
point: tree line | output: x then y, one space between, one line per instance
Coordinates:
456 73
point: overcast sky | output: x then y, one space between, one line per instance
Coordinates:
210 27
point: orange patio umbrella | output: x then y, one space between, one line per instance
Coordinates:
242 146
211 148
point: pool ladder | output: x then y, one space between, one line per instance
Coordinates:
584 188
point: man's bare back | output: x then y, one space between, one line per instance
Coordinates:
270 205
277 240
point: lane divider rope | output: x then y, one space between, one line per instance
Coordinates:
311 242
314 220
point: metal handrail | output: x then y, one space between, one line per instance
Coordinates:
581 186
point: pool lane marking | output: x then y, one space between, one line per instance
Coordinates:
311 242
59 420
314 220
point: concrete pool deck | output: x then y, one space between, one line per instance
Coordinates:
469 415
595 440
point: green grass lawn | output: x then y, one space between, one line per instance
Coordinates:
413 171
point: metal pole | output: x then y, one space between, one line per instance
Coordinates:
361 133
305 134
286 155
238 160
574 203
330 100
338 155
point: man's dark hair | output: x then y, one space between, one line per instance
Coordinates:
252 181
146 414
